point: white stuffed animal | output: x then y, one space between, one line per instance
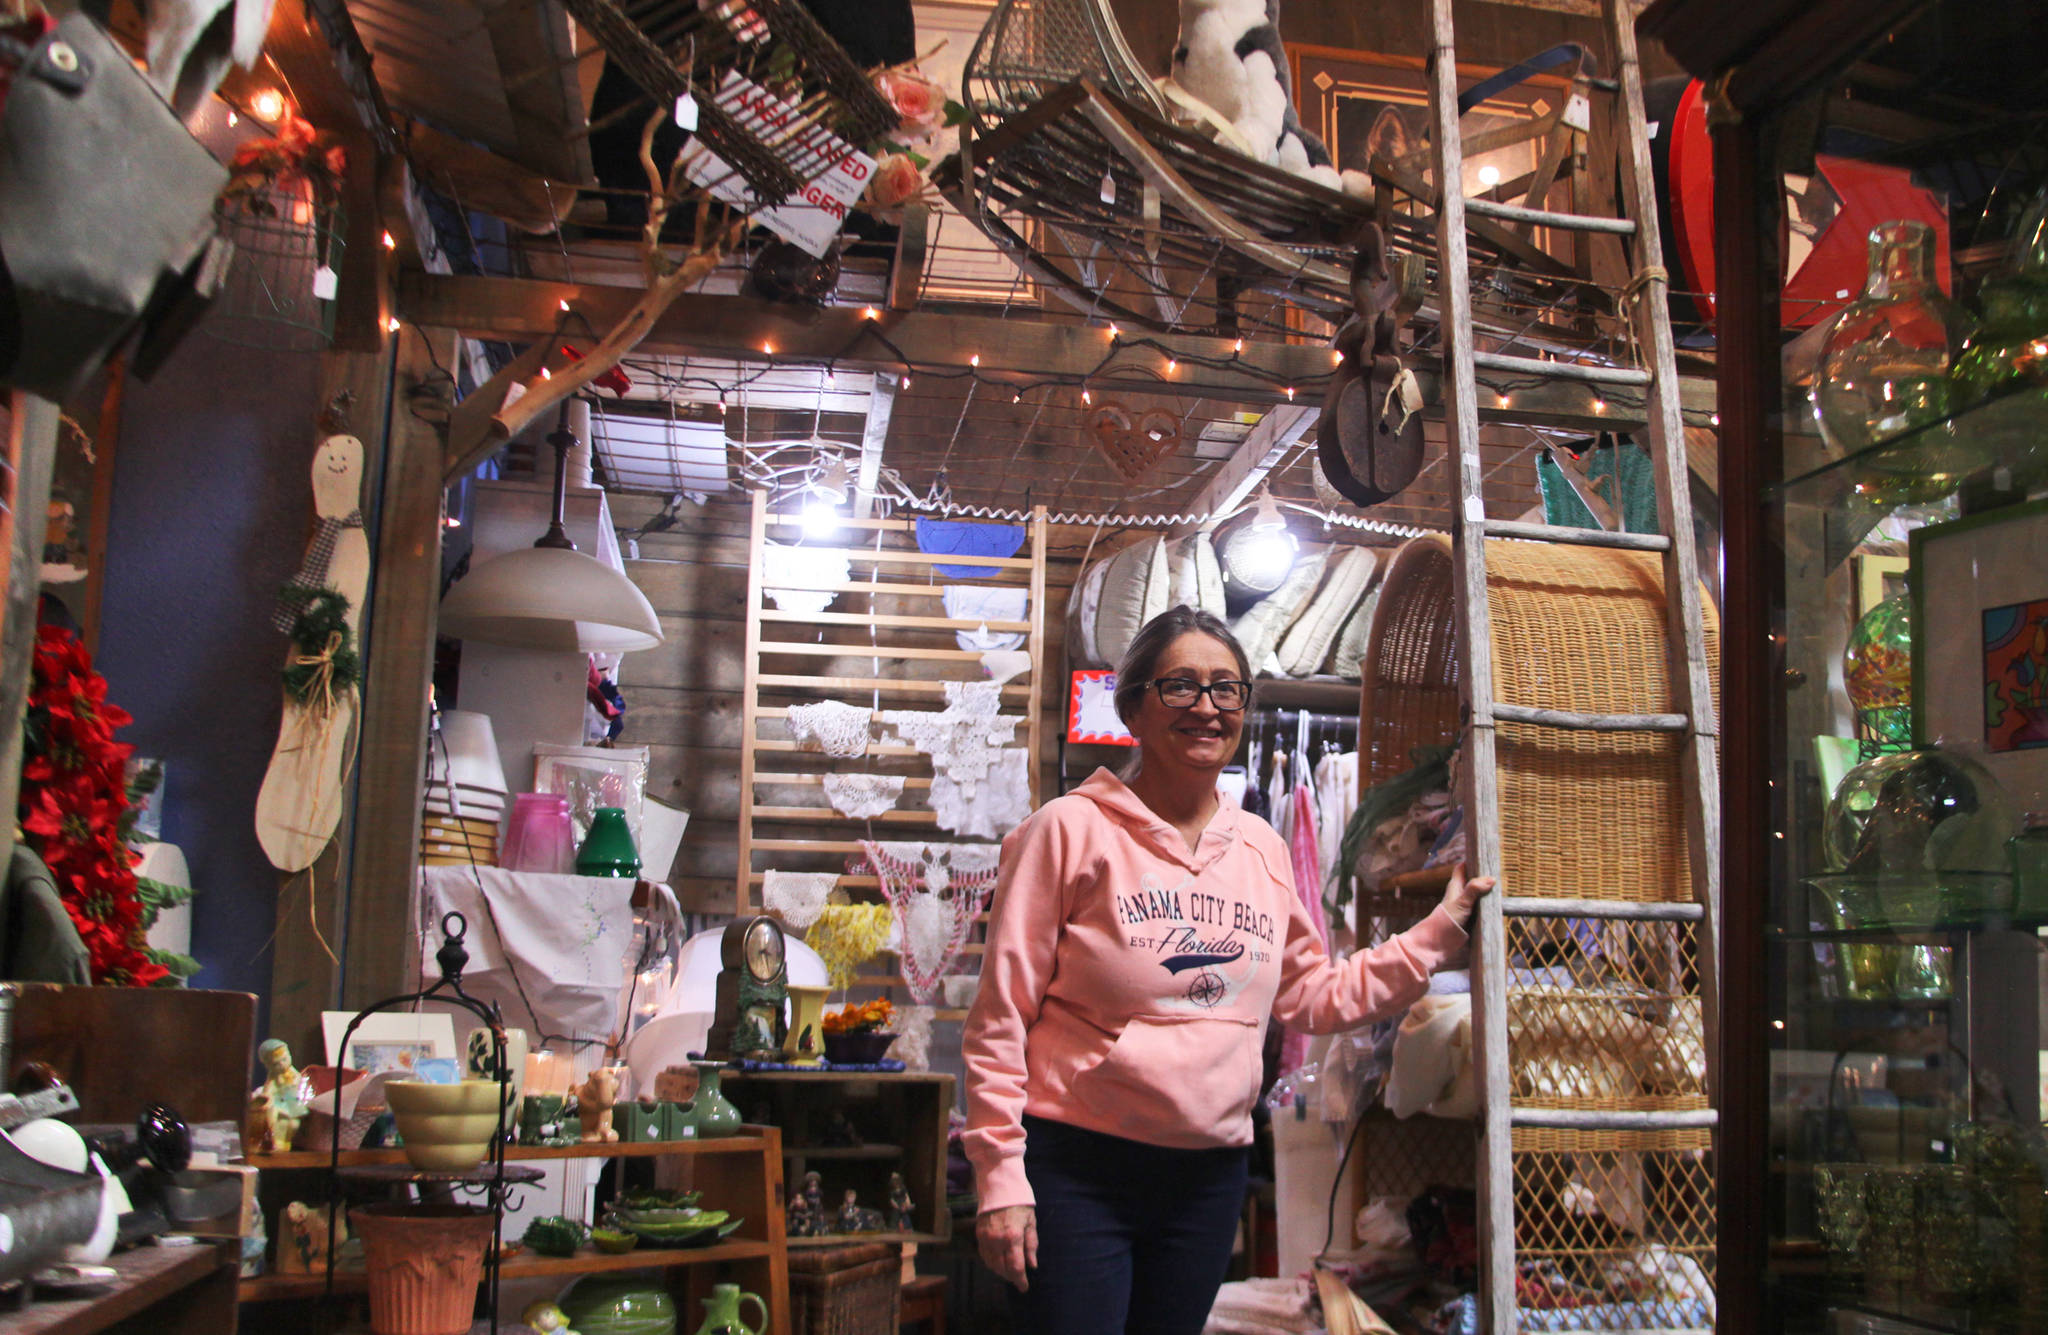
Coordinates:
1229 55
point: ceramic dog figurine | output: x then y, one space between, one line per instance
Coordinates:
594 1100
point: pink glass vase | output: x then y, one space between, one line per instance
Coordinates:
539 837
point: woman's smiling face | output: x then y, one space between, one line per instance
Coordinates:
1200 736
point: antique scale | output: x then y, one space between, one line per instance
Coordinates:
752 987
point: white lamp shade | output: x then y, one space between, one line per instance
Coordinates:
471 752
551 599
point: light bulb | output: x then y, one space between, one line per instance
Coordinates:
268 104
974 360
870 314
821 518
1264 555
1489 176
1171 366
390 242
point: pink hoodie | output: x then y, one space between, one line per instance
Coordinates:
1128 981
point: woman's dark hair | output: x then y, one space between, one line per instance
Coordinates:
1141 660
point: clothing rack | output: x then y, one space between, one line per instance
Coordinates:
785 822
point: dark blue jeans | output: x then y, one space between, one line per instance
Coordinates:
1133 1239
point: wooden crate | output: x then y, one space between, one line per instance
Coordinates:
900 1116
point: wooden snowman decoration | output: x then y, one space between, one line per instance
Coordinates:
299 805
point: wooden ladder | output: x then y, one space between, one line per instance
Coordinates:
1695 723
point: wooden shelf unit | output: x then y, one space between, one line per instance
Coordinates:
793 833
162 1290
741 1174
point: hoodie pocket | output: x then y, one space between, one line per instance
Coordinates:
1175 1080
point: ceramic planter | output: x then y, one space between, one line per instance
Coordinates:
424 1262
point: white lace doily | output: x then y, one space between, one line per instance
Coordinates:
798 578
993 807
859 796
831 726
964 738
1003 664
974 602
799 896
913 1045
935 893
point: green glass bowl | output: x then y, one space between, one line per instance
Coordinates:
630 1304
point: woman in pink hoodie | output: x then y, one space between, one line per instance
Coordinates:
1143 932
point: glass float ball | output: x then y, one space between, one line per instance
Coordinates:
1877 670
1915 812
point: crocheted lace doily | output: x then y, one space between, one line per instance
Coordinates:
964 738
936 892
991 808
799 896
913 1045
831 726
793 576
859 796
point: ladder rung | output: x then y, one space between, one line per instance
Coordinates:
1578 722
1534 906
1579 222
1592 1119
1589 372
1580 537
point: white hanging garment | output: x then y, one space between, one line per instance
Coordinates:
799 896
799 579
1003 664
1277 795
860 796
993 807
831 726
1336 797
979 602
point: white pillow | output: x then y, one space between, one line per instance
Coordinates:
1134 589
1081 608
1197 577
1347 658
1307 642
1259 630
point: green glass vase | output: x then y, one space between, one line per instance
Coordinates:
1877 673
608 849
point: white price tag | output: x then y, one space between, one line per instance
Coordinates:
1578 113
686 112
1475 510
325 284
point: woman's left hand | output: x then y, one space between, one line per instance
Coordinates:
1461 895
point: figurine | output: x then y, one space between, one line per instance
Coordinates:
814 1205
594 1100
839 1133
258 1134
281 1083
900 1205
854 1219
797 1219
540 1120
546 1318
305 1242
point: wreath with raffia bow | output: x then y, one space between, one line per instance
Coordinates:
323 662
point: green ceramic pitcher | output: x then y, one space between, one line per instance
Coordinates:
722 1312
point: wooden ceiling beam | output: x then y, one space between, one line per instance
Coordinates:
536 56
1016 350
881 407
1255 456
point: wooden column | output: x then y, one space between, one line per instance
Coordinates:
381 956
1747 205
32 426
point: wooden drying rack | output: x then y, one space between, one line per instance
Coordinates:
894 637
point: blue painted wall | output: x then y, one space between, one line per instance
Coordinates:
211 510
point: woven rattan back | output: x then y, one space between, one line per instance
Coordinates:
1584 815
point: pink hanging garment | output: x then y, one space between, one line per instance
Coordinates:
1302 858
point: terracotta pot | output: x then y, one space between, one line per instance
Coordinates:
424 1263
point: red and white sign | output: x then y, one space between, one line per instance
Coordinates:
835 174
1091 710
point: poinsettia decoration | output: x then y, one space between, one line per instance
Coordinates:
78 810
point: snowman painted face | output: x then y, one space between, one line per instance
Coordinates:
338 477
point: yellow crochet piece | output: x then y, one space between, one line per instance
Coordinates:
848 935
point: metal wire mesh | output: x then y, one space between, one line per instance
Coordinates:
1031 47
282 241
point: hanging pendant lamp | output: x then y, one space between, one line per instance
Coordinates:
551 596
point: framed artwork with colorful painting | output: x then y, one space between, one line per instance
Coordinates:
1980 644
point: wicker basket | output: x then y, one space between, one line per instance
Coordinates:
1584 815
852 1290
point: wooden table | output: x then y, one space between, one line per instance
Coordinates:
161 1291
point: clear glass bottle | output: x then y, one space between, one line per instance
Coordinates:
1884 372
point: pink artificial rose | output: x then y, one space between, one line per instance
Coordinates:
920 104
897 179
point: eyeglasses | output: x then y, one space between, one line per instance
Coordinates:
1182 692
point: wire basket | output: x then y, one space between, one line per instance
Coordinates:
270 297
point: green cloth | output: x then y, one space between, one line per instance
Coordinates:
1432 771
38 941
1629 474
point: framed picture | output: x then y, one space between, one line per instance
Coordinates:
1091 710
392 1043
1980 644
592 777
1364 105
